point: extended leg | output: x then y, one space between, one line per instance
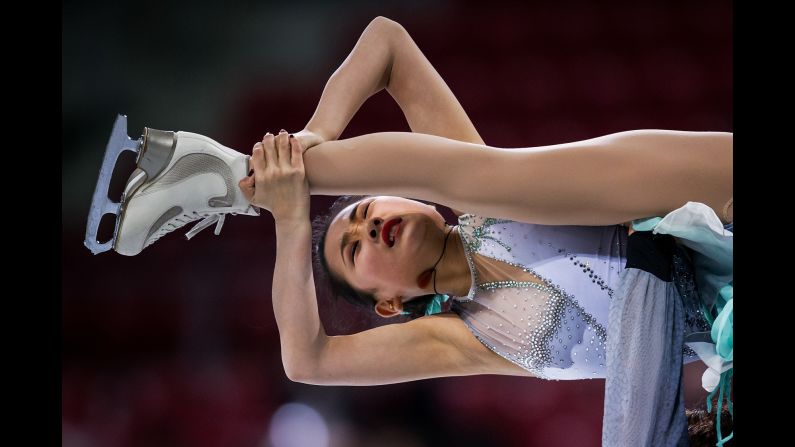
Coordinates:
612 185
602 181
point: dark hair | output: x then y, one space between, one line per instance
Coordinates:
337 286
702 429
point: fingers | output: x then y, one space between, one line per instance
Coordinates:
276 151
246 185
270 154
257 162
283 148
297 158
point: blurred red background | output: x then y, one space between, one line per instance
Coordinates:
178 346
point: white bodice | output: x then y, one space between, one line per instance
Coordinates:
540 293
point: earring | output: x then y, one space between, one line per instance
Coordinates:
391 306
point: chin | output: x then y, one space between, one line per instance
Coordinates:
414 236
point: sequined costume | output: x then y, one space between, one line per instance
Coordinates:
540 294
580 302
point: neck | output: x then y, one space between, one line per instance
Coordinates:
452 273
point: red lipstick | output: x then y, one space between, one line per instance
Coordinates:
387 228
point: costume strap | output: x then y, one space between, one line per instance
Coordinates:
435 305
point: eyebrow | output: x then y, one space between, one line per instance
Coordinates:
346 237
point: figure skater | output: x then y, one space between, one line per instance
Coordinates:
593 259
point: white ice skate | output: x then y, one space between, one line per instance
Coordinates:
179 177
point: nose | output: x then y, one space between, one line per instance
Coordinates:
374 228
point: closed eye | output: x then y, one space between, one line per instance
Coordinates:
367 208
356 244
353 252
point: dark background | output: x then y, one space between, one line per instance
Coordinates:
178 345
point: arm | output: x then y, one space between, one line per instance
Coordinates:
279 185
433 346
386 57
301 333
362 74
427 347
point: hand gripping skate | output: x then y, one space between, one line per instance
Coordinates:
179 177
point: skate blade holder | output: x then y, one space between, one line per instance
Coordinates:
101 204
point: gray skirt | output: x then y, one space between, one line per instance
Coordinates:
655 306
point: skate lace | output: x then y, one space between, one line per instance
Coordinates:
186 218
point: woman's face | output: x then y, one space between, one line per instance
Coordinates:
370 260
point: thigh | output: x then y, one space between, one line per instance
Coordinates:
615 178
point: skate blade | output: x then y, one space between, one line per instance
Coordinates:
101 204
